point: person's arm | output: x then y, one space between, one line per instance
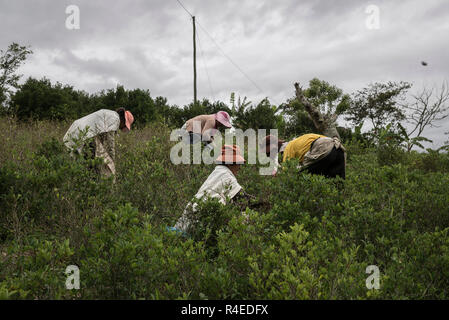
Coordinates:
242 196
209 130
188 125
238 197
245 200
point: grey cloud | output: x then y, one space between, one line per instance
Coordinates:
275 42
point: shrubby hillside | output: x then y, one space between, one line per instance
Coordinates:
306 237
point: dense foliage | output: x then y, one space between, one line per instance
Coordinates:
10 61
306 237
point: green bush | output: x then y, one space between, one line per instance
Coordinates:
126 257
35 269
304 237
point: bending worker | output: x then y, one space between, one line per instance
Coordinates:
204 127
221 184
94 136
316 153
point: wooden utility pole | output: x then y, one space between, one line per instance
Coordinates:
194 60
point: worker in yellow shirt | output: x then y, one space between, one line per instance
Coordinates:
316 153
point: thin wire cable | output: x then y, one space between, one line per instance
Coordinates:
229 58
184 8
205 66
222 51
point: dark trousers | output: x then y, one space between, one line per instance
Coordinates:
195 138
330 166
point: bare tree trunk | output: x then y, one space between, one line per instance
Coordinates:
325 126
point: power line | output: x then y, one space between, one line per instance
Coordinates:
191 15
222 52
205 66
229 58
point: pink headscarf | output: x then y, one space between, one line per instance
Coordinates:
129 119
224 118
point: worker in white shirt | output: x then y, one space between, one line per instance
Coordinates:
94 135
221 184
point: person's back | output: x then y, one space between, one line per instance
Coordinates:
316 153
204 127
101 121
202 122
221 184
96 132
297 148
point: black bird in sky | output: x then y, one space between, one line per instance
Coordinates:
424 63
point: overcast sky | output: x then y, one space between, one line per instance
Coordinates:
148 44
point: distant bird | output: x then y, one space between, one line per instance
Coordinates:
424 63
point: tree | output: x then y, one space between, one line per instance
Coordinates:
446 144
323 103
379 103
2 98
10 61
239 105
180 116
144 108
297 120
261 116
163 110
429 106
39 99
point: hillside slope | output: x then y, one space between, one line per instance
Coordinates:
309 238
